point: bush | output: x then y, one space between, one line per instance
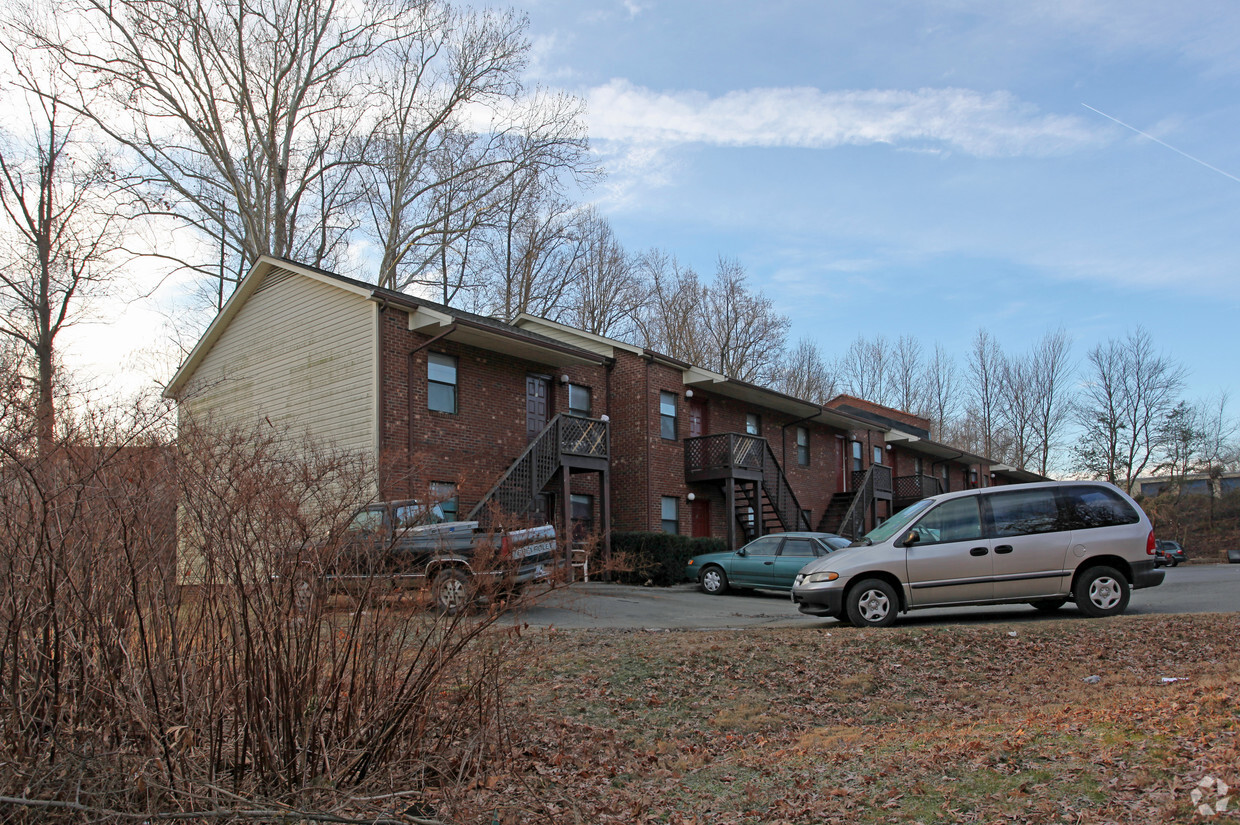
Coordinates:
657 558
252 695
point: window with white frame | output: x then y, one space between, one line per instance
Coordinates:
753 424
803 446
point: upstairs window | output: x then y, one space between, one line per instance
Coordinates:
578 399
856 457
803 446
441 382
667 415
878 455
753 424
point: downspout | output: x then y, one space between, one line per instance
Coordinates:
381 402
934 464
783 435
646 441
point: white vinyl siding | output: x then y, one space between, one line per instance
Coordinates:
300 354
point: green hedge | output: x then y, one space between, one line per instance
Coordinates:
657 558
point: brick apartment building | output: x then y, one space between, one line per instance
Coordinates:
546 421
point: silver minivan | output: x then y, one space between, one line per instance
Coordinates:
1045 544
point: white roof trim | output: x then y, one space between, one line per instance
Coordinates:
598 344
424 317
700 375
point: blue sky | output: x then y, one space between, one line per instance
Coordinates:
928 168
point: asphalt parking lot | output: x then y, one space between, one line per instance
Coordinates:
1197 588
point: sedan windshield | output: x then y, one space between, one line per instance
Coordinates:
896 523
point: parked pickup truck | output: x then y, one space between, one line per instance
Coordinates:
412 544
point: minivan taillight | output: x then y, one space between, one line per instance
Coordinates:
1149 544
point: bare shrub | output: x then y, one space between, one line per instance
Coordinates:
234 688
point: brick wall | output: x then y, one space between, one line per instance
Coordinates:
475 445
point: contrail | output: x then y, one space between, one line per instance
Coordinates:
1163 143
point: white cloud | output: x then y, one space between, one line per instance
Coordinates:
993 124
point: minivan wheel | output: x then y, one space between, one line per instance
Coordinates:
451 591
1101 591
872 603
714 581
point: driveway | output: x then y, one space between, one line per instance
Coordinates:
1195 588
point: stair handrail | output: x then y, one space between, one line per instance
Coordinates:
855 512
783 494
549 437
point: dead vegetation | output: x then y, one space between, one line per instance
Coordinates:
980 723
250 695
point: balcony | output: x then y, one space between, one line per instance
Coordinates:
881 480
909 489
727 455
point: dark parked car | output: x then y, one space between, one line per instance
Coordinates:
1168 553
411 544
1233 556
770 562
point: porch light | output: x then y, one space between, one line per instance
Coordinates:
691 497
688 393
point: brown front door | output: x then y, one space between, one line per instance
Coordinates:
699 513
537 404
698 423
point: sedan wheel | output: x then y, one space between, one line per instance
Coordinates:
872 603
714 581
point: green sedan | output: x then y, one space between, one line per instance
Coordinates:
770 562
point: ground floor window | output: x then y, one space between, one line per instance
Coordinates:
443 493
583 516
670 514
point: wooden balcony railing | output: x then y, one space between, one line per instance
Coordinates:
727 455
880 485
916 487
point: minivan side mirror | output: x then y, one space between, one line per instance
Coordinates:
911 537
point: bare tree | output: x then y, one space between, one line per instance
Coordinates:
436 174
1129 391
62 226
805 374
907 375
527 257
1220 449
745 334
1051 373
672 321
985 372
1016 413
247 116
864 368
605 296
942 383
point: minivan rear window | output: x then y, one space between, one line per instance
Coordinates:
1024 512
1091 507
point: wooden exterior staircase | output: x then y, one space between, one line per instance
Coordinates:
756 490
568 444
